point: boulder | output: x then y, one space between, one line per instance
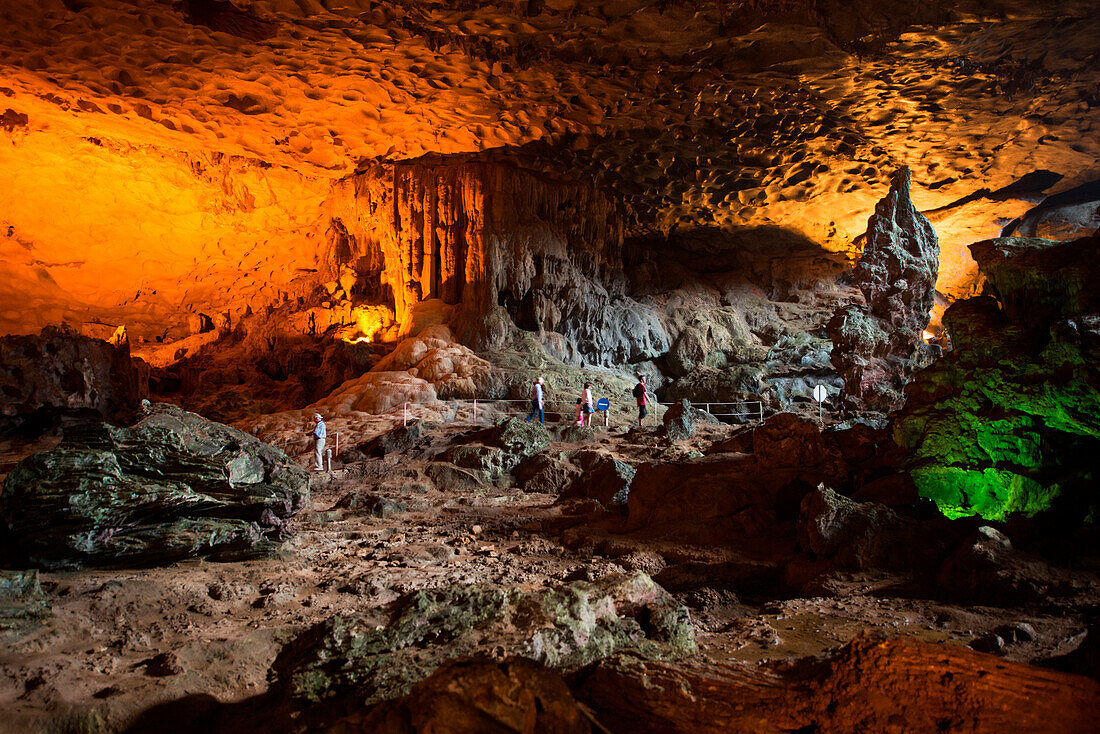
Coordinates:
395 441
547 472
489 460
60 372
172 486
22 601
861 535
877 347
473 696
987 569
681 419
519 439
501 448
602 478
372 504
788 440
564 627
710 495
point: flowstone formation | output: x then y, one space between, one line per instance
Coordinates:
1009 420
173 486
878 346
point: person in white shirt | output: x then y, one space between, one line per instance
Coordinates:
319 433
536 403
586 403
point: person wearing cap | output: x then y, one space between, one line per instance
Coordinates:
536 403
319 434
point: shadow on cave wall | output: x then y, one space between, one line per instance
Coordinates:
775 259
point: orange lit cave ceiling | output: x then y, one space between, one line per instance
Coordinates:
163 158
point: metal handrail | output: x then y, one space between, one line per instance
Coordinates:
758 411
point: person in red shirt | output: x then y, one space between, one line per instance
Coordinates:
641 394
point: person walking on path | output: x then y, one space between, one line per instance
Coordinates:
319 433
586 403
536 403
641 395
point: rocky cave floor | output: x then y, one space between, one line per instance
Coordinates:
119 642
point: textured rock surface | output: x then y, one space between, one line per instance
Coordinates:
21 599
987 569
173 486
863 535
875 349
680 420
602 478
869 685
563 627
273 170
478 696
61 371
1008 421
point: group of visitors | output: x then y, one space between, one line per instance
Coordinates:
585 406
583 417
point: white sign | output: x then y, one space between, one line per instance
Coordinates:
820 393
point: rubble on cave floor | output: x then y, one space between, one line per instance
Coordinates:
390 530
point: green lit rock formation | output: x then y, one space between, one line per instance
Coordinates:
1009 421
173 486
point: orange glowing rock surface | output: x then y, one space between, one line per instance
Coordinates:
162 160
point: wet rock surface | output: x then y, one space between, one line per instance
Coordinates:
172 486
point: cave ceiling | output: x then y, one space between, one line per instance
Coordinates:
159 158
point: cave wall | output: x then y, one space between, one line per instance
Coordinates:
165 160
509 248
102 233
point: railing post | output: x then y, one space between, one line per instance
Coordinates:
328 455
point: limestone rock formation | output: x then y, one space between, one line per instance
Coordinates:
22 601
876 349
602 478
60 371
862 535
680 420
172 486
477 696
987 569
869 685
563 627
1008 420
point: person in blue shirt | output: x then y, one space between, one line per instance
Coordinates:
319 433
536 403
